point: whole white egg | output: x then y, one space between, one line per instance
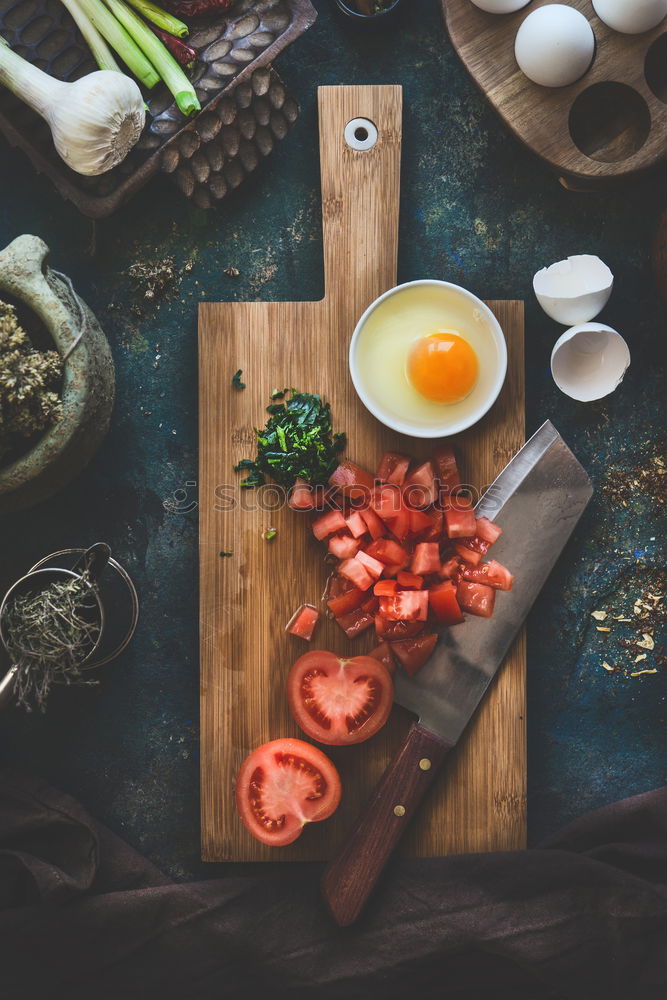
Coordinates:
500 6
554 45
631 16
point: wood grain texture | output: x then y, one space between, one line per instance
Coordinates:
603 137
246 600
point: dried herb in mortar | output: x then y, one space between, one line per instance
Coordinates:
48 636
29 384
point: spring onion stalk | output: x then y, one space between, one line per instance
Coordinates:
119 40
172 74
151 12
94 121
99 48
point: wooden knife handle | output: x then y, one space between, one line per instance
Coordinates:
351 876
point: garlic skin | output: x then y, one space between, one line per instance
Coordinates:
98 122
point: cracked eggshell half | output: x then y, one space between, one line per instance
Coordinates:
589 361
574 290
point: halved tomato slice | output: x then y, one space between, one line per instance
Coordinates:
282 786
338 701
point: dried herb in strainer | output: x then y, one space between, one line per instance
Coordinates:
48 636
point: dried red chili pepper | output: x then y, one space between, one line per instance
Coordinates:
197 8
182 53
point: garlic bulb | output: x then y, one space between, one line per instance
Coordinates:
94 121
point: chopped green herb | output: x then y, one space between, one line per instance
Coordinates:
270 534
245 463
226 553
236 380
278 393
297 442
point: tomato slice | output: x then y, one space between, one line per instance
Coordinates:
301 495
385 588
328 524
356 524
460 521
373 523
355 622
384 654
487 530
493 573
410 580
476 598
393 468
352 481
420 489
472 549
386 502
388 552
406 606
372 566
344 603
426 558
450 569
338 701
356 573
281 786
413 653
392 631
303 622
446 468
344 546
443 603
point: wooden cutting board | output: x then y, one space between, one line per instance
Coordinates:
247 599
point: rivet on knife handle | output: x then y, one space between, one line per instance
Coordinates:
351 876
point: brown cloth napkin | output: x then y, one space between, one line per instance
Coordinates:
82 915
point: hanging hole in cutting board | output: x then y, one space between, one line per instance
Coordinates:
361 134
655 67
609 122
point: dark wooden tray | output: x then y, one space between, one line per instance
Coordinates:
245 108
609 124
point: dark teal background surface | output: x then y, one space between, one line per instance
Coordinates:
477 209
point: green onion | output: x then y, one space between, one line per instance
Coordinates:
164 62
99 48
120 41
160 17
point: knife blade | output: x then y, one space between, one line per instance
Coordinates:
537 500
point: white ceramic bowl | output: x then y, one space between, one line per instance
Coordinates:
373 348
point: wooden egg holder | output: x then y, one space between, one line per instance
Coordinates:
609 124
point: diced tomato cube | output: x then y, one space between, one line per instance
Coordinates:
303 622
301 495
406 606
392 631
386 502
384 654
426 558
392 570
446 470
356 573
419 521
476 598
356 524
383 588
372 566
393 468
387 551
414 652
469 555
420 489
373 523
487 530
372 605
460 520
443 603
344 603
451 568
493 573
344 546
400 525
436 529
352 480
328 524
355 622
410 580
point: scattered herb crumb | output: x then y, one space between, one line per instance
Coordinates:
270 534
226 554
279 393
236 380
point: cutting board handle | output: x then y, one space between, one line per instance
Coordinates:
350 877
360 190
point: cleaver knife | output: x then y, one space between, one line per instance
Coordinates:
537 500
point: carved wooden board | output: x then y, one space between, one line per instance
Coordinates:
246 599
611 122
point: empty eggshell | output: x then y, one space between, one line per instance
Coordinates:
500 6
631 17
589 361
554 45
574 290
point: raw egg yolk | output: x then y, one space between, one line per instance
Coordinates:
443 367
